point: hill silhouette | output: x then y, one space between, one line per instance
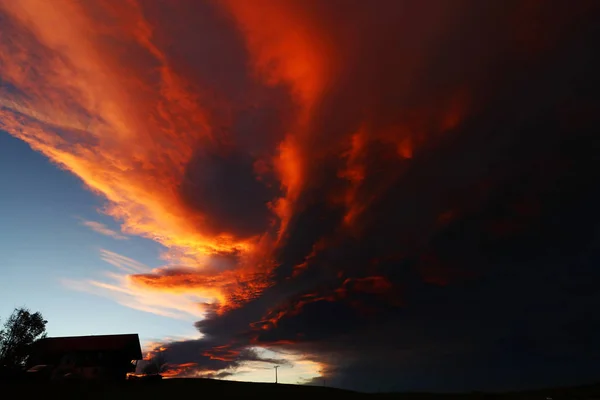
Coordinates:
179 388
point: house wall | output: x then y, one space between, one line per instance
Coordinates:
88 365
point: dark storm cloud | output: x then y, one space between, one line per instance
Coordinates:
222 183
487 237
498 295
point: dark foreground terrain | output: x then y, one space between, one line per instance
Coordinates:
178 388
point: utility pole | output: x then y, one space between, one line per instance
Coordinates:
277 366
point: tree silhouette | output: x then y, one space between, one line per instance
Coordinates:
20 331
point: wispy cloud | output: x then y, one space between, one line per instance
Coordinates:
102 229
124 263
119 287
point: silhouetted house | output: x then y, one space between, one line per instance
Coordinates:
88 357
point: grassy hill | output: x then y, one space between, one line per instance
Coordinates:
169 389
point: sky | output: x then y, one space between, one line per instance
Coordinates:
383 196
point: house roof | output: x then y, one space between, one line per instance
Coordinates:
128 344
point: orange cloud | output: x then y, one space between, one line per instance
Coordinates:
179 370
226 290
99 90
288 46
222 353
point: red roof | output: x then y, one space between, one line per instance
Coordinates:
128 344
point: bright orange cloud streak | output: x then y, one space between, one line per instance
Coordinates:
285 45
135 164
287 48
100 99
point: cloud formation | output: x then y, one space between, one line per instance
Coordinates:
118 286
102 229
400 189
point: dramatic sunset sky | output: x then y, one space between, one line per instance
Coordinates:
381 195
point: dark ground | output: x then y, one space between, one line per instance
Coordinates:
179 388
